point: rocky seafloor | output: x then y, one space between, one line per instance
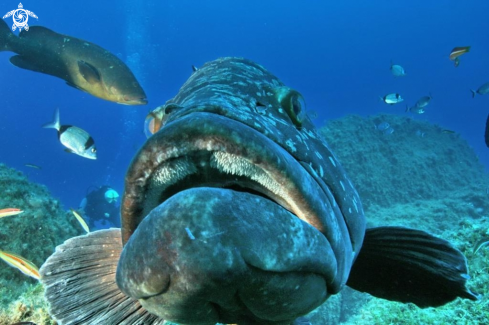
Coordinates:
419 176
33 234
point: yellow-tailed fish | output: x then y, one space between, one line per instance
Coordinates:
20 263
80 220
10 212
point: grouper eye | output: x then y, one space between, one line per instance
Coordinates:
295 106
293 103
298 106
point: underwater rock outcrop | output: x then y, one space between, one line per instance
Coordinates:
32 234
418 160
421 176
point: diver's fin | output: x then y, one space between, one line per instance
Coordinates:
89 72
410 265
79 282
20 62
5 36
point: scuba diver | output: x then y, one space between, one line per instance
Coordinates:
100 208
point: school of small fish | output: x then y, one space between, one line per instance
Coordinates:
420 106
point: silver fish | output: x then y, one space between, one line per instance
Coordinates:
383 126
240 216
423 101
415 109
392 99
75 140
484 89
397 70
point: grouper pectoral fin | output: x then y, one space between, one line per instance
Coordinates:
23 63
89 72
408 265
79 281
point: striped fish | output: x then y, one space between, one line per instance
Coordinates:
75 140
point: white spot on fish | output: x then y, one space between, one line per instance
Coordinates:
321 171
332 161
342 186
258 94
355 204
291 145
318 155
349 210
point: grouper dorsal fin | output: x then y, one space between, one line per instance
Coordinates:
89 72
37 31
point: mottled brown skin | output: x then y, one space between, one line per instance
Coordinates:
218 111
83 65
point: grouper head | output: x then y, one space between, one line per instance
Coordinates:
236 210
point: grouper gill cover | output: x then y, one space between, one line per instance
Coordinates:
237 212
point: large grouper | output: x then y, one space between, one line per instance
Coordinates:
82 64
237 212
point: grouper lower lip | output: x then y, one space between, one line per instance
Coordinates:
206 253
206 149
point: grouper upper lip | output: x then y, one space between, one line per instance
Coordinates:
209 142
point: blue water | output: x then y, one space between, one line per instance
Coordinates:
336 53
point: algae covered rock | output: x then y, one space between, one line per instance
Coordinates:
418 160
32 234
422 176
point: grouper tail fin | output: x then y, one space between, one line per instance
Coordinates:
409 265
80 285
6 36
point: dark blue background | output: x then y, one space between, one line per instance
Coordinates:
337 54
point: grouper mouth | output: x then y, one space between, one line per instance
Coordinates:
205 177
208 150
